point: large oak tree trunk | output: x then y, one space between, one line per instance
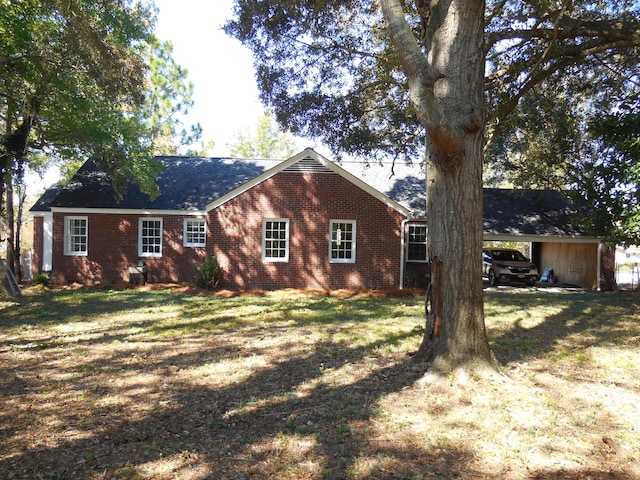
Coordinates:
445 77
456 337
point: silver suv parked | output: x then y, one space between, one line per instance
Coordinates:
504 264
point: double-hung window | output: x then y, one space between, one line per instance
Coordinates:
417 243
275 240
75 236
195 232
342 245
150 237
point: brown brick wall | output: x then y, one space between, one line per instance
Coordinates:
36 259
309 201
113 247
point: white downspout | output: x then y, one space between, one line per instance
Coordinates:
47 242
403 224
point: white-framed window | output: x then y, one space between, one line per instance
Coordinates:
275 239
417 243
150 237
75 236
342 244
195 232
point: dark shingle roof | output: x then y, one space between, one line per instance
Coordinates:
191 183
506 211
185 184
529 212
45 200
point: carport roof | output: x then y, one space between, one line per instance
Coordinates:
507 212
530 213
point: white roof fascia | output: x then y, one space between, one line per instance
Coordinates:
496 237
308 152
121 211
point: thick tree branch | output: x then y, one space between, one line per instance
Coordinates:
610 34
560 60
568 28
420 74
402 37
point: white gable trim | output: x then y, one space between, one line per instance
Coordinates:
301 157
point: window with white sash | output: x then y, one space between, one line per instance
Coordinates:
195 232
417 243
150 237
342 244
275 240
75 236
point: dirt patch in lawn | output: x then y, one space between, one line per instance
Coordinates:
166 382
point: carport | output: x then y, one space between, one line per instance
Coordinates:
548 221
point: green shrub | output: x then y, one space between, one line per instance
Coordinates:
208 273
41 279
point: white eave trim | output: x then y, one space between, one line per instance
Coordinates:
309 153
541 238
132 211
40 213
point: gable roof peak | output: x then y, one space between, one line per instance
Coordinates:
309 161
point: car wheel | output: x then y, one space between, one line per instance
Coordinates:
493 280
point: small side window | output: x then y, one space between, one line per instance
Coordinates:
195 232
417 243
75 236
342 244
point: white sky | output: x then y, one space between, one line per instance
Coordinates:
220 67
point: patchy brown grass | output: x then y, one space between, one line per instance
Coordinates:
174 383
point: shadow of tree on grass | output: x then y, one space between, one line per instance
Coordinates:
110 408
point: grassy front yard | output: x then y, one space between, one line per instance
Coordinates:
167 384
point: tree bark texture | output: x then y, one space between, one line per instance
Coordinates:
15 145
11 226
445 79
608 268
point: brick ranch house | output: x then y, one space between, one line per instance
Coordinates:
304 222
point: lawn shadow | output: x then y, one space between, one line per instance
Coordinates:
583 317
280 416
126 412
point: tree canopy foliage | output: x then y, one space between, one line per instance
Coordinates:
547 140
609 178
267 141
168 98
71 75
328 69
83 78
158 119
